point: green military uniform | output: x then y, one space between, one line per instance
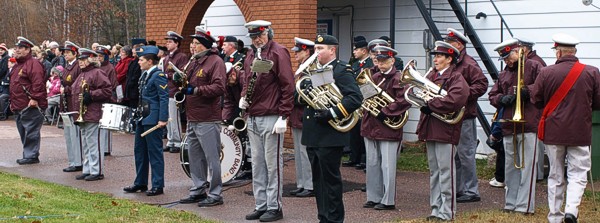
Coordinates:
325 146
357 66
399 64
233 58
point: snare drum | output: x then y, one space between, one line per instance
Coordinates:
115 117
231 155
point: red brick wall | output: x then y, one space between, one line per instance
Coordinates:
290 18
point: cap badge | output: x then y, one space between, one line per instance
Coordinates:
451 34
262 28
390 53
507 49
451 51
320 39
303 47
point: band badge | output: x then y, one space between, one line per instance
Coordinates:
439 85
69 79
21 72
200 73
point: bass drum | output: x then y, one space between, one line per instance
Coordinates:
231 155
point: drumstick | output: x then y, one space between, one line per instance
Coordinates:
151 130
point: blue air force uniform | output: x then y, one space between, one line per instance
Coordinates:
154 100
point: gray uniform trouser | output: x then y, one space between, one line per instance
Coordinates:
29 124
466 170
303 170
173 126
105 141
520 183
204 146
73 142
267 162
93 159
381 170
579 163
540 158
442 180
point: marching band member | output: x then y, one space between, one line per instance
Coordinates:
89 91
105 65
567 91
324 144
268 101
357 142
441 138
28 99
520 188
467 188
382 142
230 50
303 49
72 134
154 100
180 59
206 77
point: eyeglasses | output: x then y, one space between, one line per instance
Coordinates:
255 37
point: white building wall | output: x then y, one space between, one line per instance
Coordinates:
537 20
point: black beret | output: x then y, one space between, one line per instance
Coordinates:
326 40
230 39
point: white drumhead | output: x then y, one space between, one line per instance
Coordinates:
231 154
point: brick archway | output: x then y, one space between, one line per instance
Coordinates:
292 18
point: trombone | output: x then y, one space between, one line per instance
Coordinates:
518 116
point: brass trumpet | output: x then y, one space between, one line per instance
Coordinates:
85 88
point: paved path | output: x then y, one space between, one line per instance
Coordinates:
412 197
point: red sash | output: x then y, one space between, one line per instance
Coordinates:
559 95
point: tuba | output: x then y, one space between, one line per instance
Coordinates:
374 103
324 96
422 90
518 116
85 88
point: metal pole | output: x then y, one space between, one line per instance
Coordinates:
393 22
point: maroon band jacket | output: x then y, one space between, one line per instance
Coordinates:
376 130
28 73
100 90
571 122
273 91
72 71
180 59
207 74
431 128
478 83
507 81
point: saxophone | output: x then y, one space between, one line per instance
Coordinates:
85 88
324 96
259 65
376 99
180 96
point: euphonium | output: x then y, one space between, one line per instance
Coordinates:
422 90
518 116
375 103
324 96
85 88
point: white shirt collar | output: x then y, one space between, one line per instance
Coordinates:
442 71
151 68
72 62
231 55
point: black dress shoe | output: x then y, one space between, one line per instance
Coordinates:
271 215
209 202
384 207
26 161
94 177
360 166
297 191
468 199
82 176
167 149
306 193
370 204
72 169
255 215
175 150
193 199
154 191
570 218
135 188
348 163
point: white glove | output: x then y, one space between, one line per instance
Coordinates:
243 103
280 126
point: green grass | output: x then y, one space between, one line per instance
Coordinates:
414 158
21 197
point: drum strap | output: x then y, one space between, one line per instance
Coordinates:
559 95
